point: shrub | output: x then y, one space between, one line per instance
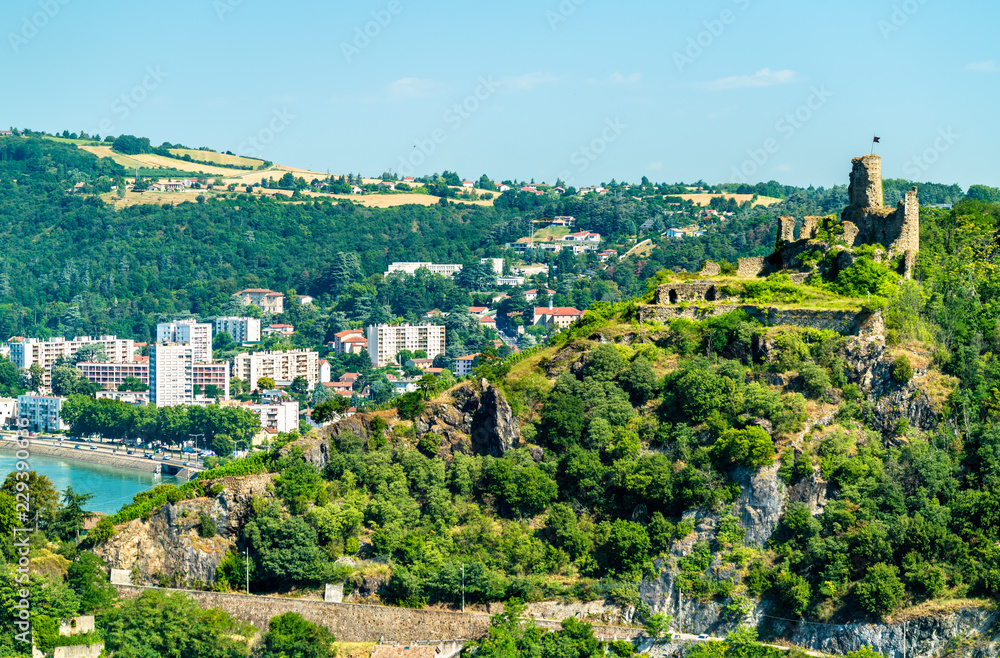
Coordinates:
815 378
880 592
902 371
206 526
751 447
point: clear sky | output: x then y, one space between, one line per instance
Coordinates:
588 90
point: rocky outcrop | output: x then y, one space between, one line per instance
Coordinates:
761 502
167 544
870 367
476 419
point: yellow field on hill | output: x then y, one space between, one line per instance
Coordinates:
705 199
152 161
218 158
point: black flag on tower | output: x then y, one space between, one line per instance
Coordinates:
875 140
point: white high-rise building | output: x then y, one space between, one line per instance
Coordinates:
386 341
282 367
243 330
28 351
199 335
40 413
171 374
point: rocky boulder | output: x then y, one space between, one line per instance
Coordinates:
475 419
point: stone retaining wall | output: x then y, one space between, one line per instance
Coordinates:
750 267
351 622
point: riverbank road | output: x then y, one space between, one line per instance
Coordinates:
70 449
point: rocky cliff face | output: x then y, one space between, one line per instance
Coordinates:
167 545
476 419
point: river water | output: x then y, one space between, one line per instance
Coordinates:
112 487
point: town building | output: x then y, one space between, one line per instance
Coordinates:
351 341
264 299
386 341
410 268
199 335
128 397
211 374
171 374
40 413
534 293
495 263
242 330
284 330
324 370
463 365
510 280
111 374
278 417
25 352
561 317
8 412
281 366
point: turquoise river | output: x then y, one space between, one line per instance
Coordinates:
112 487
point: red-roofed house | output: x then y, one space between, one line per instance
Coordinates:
560 316
281 329
489 320
468 183
479 310
463 365
532 295
267 300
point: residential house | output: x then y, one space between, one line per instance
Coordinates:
266 300
324 371
561 317
463 365
503 188
468 183
532 295
351 341
284 330
479 311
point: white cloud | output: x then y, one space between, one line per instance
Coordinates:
406 89
762 78
654 166
987 66
528 81
619 79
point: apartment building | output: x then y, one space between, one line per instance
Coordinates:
171 374
199 335
216 374
24 352
277 417
281 366
40 413
266 300
111 374
386 341
242 330
463 365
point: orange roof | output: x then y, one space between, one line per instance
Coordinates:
558 310
349 332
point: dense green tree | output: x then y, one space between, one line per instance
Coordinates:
290 635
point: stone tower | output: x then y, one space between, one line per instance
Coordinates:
867 221
865 189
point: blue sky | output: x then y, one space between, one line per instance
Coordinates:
586 90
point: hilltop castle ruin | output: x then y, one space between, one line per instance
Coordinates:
865 221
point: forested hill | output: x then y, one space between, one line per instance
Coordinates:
73 265
72 260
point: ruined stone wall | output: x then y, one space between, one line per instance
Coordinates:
749 267
810 227
787 233
844 322
710 269
675 293
351 622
